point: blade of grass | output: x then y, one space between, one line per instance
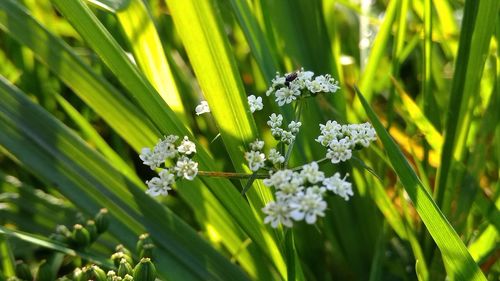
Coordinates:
89 181
201 31
117 111
49 244
457 259
139 29
477 28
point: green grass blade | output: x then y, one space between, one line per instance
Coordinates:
259 45
90 182
47 243
141 34
459 263
209 52
477 28
123 116
7 264
100 95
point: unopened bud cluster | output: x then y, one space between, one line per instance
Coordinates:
166 152
124 266
82 235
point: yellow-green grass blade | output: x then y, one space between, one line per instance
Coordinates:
78 172
93 137
377 51
140 32
203 37
122 115
417 117
477 28
89 86
459 263
7 262
256 39
101 41
47 243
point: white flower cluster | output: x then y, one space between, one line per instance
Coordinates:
341 140
275 122
292 86
165 150
300 195
257 159
255 103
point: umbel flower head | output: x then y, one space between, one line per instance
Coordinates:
300 195
166 151
295 85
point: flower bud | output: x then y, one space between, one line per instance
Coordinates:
147 251
143 239
23 271
128 278
97 274
118 256
45 272
92 229
120 248
102 220
80 236
145 270
124 268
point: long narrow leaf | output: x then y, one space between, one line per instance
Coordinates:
460 264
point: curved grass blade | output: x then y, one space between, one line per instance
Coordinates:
477 28
139 29
49 244
90 182
458 261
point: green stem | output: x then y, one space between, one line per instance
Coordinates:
230 175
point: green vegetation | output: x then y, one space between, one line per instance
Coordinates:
86 85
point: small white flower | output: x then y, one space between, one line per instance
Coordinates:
276 132
294 127
165 149
315 86
275 120
256 160
286 95
202 108
186 168
161 186
362 134
275 157
187 147
257 145
287 137
277 212
287 191
339 150
312 173
339 186
308 206
255 103
150 158
278 178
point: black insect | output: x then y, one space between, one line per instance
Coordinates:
290 77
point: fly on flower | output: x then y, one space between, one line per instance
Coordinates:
290 77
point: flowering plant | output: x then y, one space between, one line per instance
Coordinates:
300 191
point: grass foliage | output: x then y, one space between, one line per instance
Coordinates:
84 85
